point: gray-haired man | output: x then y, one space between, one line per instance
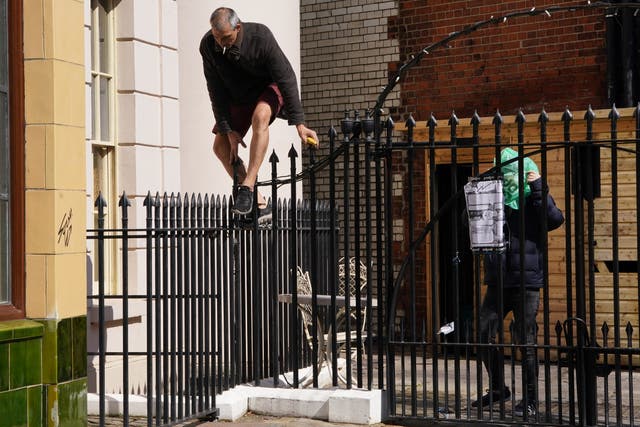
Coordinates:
250 83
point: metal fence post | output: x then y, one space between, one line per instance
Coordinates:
101 203
124 204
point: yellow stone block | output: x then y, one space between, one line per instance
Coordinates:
64 30
68 26
54 92
66 161
38 91
36 286
55 222
69 94
35 156
47 27
33 29
39 221
67 280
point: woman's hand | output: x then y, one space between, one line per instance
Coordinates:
532 176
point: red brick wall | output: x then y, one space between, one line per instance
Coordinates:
528 62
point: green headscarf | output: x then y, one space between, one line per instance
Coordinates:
510 173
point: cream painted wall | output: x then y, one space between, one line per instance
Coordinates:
201 172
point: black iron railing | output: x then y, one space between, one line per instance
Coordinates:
225 301
215 289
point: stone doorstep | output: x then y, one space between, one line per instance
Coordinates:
333 405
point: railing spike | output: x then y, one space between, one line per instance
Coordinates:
520 117
292 152
172 200
453 120
497 118
274 157
614 114
475 119
629 330
148 200
589 115
390 123
410 122
124 200
567 116
100 201
432 123
543 117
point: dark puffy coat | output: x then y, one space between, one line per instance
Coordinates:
533 219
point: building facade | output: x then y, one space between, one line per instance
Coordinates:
96 97
42 350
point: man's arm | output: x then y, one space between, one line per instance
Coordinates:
217 92
284 76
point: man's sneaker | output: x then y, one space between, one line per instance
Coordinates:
243 203
264 215
264 218
494 396
518 411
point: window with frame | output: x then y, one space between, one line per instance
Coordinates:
11 161
103 144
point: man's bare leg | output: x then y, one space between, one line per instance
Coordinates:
259 144
257 149
222 150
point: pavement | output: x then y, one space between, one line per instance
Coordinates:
250 420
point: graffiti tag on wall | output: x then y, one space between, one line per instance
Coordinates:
64 231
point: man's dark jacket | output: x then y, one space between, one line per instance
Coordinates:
533 247
240 75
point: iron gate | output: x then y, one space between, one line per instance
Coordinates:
588 344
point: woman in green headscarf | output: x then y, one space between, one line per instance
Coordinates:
511 180
521 278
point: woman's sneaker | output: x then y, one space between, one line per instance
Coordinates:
492 397
518 411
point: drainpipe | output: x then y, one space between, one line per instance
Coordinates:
636 37
628 58
612 37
